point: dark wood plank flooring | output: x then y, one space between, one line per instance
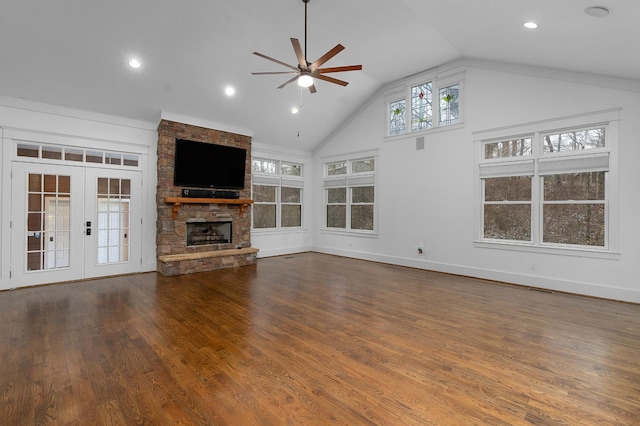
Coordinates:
315 339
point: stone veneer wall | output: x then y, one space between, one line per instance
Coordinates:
171 234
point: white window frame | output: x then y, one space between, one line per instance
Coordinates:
539 164
404 93
279 180
350 180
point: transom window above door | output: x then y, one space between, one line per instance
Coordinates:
76 154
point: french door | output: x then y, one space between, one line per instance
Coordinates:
70 223
112 225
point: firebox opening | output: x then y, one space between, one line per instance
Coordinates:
204 233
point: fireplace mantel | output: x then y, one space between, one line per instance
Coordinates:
177 201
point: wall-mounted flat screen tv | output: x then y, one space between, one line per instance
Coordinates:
207 165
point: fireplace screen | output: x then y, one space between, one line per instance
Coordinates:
202 233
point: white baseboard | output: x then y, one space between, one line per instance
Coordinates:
282 251
548 283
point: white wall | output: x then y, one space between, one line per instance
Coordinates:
42 123
427 196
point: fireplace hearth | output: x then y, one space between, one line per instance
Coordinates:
206 233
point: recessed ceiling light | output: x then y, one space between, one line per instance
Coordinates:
530 25
135 63
294 110
230 91
597 11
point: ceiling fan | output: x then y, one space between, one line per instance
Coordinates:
306 71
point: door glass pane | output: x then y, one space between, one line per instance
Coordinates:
64 184
48 222
103 186
112 224
50 183
35 183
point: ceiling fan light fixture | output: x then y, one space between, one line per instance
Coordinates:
135 63
305 80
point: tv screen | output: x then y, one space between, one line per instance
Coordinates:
207 165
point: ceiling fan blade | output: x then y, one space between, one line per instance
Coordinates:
275 60
288 82
274 72
339 69
296 48
331 79
330 54
312 88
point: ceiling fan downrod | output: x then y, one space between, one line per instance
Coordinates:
305 30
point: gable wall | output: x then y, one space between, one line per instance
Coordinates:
428 196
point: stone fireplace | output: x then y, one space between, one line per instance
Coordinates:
194 234
205 233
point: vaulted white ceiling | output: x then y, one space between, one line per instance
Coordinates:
74 53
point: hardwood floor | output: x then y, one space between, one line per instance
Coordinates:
315 339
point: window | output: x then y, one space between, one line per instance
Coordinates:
259 165
506 149
397 122
421 107
435 97
64 153
291 169
551 189
350 195
277 194
449 104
